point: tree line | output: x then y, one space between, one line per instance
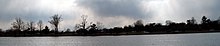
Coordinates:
20 28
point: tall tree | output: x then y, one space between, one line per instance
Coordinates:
56 19
84 21
139 26
18 24
139 23
82 27
31 25
40 25
204 18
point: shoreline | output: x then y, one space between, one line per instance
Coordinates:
60 35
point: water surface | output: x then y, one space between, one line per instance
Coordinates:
198 39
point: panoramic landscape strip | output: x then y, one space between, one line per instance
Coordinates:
21 29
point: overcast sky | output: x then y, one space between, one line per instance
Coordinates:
109 12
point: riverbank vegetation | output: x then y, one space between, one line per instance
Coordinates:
20 28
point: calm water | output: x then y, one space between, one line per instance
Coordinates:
199 39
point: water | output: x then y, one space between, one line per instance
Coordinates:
199 39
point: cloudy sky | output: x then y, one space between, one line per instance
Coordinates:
109 12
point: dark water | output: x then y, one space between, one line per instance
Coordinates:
199 39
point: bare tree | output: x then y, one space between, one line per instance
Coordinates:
77 26
40 25
84 21
99 25
191 21
56 19
18 24
31 25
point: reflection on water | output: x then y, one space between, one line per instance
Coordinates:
200 39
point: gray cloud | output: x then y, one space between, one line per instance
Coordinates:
109 12
115 12
30 10
111 8
152 10
186 9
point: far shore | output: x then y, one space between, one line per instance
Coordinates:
21 29
106 34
